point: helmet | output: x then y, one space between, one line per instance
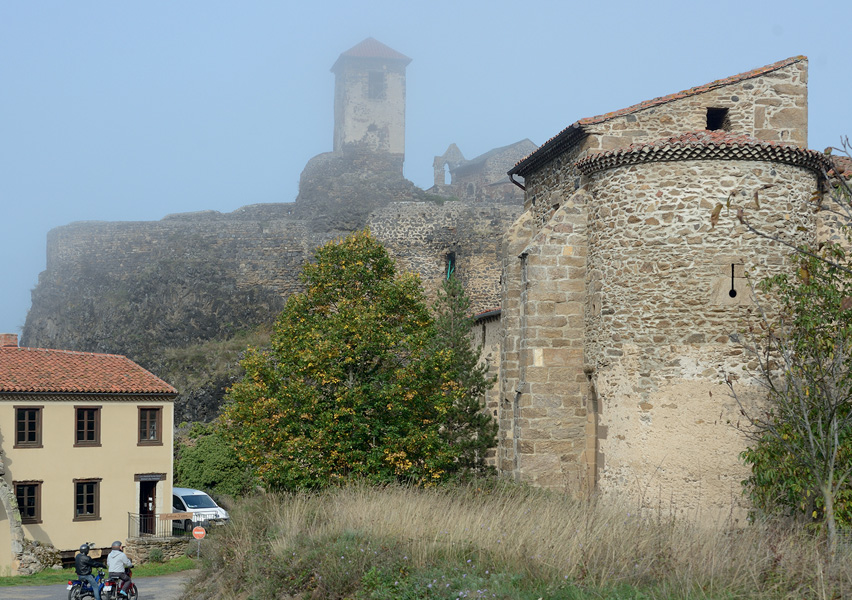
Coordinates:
116 544
84 548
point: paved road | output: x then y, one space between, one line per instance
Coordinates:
164 587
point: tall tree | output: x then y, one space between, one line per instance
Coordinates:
467 425
353 384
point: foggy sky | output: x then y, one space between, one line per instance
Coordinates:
135 110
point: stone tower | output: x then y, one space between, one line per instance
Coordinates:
369 101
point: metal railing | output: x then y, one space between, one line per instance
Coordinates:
162 525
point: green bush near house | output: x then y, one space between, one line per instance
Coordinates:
205 460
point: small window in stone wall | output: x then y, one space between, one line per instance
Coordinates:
451 264
376 88
717 119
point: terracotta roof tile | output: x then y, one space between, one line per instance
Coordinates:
842 166
706 145
43 370
575 131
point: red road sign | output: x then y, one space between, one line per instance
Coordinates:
198 532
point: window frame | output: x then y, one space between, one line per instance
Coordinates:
36 518
96 493
39 421
158 424
376 85
97 426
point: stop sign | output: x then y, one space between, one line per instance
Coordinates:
198 532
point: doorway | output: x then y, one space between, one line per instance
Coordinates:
147 507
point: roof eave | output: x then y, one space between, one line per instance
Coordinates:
172 395
549 150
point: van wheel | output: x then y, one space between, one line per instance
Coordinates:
187 526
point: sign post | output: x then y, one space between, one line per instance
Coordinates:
198 533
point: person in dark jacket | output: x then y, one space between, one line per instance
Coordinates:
83 564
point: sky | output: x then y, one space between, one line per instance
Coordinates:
130 111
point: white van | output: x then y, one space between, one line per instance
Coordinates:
203 508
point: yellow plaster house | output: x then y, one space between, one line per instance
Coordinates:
86 440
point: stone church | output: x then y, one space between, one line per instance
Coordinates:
622 301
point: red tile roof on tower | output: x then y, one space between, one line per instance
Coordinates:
568 136
39 370
372 48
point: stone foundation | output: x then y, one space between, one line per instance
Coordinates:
139 549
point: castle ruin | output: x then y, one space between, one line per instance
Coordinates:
139 288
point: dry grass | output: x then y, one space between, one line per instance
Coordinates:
328 542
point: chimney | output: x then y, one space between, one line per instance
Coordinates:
8 340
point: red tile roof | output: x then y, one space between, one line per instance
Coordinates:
63 371
842 166
706 145
487 314
372 48
571 134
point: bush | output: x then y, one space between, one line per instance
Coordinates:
206 461
156 555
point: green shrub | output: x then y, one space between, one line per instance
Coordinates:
156 555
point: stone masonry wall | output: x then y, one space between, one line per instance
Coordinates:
259 245
661 323
487 335
139 549
544 392
143 288
375 124
554 182
509 384
421 234
772 107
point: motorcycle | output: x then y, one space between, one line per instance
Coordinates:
111 585
80 588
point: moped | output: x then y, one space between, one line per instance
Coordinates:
111 585
80 588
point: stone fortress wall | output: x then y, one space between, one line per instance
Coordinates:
257 245
262 245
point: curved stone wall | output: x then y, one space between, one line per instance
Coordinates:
660 318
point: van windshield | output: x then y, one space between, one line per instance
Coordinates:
199 501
